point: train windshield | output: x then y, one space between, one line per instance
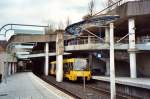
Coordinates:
80 64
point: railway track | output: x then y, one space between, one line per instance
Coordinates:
91 90
75 90
119 95
61 88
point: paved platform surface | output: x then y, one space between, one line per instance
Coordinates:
137 82
29 86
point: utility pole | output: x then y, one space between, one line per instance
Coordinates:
112 63
109 3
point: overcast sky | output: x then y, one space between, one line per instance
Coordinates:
42 12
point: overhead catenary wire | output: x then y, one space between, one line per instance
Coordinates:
118 2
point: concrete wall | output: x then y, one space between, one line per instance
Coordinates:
98 65
122 68
143 64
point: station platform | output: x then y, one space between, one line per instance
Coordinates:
136 82
28 86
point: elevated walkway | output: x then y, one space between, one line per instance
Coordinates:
29 86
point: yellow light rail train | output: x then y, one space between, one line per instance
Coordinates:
73 69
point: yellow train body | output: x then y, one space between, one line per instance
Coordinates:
73 75
69 72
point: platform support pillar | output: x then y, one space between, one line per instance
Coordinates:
46 59
59 55
89 39
59 68
15 64
90 60
107 35
9 68
112 63
132 47
107 73
13 68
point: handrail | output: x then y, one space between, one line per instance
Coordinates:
6 30
92 40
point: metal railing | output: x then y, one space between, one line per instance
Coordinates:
83 41
91 40
94 40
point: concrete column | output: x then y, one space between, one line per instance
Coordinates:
13 68
107 36
59 55
9 69
59 68
112 63
107 73
6 69
89 39
90 60
132 47
46 59
52 69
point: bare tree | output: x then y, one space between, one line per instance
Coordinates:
110 2
91 7
50 29
60 26
68 22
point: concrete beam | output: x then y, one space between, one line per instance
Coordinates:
32 38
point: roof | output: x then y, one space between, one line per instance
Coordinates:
77 27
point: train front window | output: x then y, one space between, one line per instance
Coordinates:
80 64
65 67
70 65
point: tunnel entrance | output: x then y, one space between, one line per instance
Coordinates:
24 65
